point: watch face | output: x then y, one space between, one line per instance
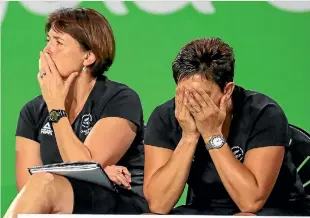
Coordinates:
217 141
54 116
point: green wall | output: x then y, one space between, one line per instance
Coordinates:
271 45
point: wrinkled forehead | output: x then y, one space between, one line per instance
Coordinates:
197 81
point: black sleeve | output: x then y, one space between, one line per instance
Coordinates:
125 104
26 126
157 130
270 129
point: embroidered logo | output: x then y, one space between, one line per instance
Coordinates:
47 130
85 124
238 152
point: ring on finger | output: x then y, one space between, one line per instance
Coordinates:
42 74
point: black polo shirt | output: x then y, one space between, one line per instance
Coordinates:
258 121
107 99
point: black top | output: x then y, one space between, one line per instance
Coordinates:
107 99
258 121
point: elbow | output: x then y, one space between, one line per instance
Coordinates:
251 206
158 208
252 201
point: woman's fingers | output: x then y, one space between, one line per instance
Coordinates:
126 173
123 180
119 175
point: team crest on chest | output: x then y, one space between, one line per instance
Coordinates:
86 124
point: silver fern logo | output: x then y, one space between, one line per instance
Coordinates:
238 152
86 124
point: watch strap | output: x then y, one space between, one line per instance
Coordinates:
55 115
62 113
210 144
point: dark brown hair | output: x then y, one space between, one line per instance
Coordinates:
210 57
91 29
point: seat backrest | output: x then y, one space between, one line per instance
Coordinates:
189 196
300 149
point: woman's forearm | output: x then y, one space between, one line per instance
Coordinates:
70 147
167 184
238 180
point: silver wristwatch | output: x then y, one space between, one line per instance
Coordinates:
216 142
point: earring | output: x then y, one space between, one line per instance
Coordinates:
84 68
